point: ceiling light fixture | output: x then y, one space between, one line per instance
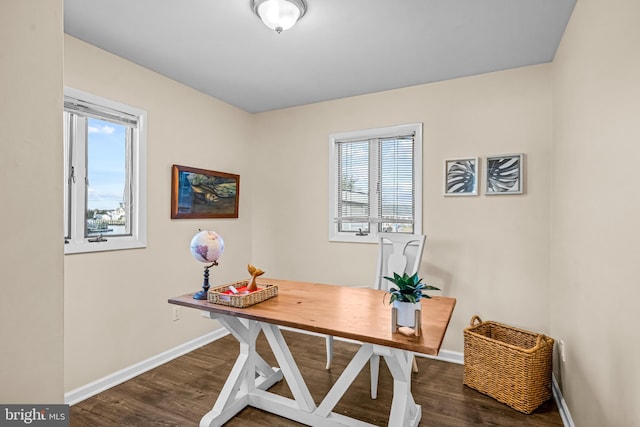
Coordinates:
279 15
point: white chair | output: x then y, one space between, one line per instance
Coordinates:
397 253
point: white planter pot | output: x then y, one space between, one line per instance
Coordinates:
407 313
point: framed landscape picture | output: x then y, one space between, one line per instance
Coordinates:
461 177
201 193
505 174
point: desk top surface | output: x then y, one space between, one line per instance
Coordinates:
353 313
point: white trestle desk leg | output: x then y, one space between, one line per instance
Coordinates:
241 381
302 408
289 368
242 388
344 381
404 411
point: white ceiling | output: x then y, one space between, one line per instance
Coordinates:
340 48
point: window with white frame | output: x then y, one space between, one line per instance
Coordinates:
104 174
375 183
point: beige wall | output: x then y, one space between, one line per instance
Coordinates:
596 206
116 312
31 353
489 252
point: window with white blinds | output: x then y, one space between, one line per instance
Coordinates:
375 184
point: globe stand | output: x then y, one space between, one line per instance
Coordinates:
202 295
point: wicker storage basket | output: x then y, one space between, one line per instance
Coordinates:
511 365
216 295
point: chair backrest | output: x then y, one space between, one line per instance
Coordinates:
398 253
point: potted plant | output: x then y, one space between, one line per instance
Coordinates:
405 296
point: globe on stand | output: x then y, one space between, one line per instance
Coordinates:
206 246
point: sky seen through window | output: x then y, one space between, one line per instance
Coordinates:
106 158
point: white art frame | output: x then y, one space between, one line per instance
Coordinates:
461 176
504 174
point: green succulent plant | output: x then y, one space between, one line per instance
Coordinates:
408 288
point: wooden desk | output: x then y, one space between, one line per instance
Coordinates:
353 313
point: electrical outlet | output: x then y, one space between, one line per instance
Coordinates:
563 351
176 313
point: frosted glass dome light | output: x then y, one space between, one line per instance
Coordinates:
279 15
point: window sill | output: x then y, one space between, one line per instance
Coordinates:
352 238
112 244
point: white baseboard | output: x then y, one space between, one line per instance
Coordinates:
561 404
123 375
446 356
112 380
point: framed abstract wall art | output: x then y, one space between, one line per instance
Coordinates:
201 193
505 174
461 177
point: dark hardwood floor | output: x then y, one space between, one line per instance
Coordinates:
180 392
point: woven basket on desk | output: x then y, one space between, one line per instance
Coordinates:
511 365
217 295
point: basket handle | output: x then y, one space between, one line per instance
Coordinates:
475 320
539 342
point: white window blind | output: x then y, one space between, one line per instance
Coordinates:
353 186
375 180
396 178
88 109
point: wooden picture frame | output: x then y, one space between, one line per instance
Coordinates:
201 193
